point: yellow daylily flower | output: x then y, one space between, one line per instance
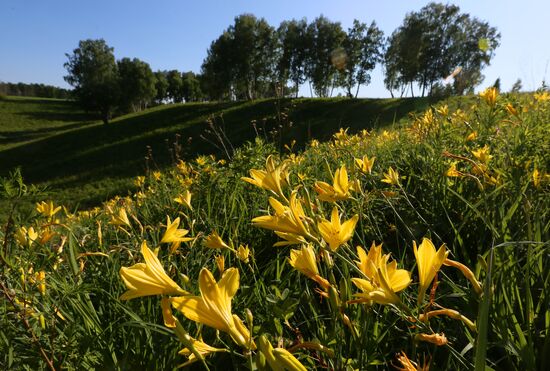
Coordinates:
214 241
120 219
452 172
41 279
279 359
511 110
489 95
287 219
304 261
157 175
213 307
365 164
243 253
369 263
185 199
471 136
149 278
272 179
386 280
408 365
167 315
542 97
334 233
220 263
139 181
482 154
47 209
173 235
428 262
25 236
202 348
391 177
340 190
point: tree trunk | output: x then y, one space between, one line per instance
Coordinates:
357 91
412 92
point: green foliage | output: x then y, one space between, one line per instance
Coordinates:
492 214
137 84
434 42
92 72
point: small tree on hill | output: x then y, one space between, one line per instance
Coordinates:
92 72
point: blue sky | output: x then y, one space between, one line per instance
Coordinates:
171 34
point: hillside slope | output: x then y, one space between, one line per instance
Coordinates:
91 162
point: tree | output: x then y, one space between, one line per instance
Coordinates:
291 42
324 40
175 86
363 50
191 89
161 86
92 72
435 41
516 88
137 84
240 62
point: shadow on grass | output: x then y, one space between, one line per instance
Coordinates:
89 155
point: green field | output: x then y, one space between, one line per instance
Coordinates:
83 162
269 249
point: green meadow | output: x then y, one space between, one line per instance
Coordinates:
286 234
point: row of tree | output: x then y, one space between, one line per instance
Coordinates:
252 59
107 86
33 90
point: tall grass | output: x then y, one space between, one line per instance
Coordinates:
474 179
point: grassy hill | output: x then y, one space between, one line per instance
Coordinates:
83 162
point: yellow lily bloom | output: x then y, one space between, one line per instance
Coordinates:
279 359
120 219
452 172
174 235
185 199
482 154
271 179
471 136
213 307
220 263
374 256
365 164
243 253
304 261
25 236
287 219
47 209
139 181
149 278
428 262
340 190
489 95
385 282
41 279
202 348
334 233
214 241
391 177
